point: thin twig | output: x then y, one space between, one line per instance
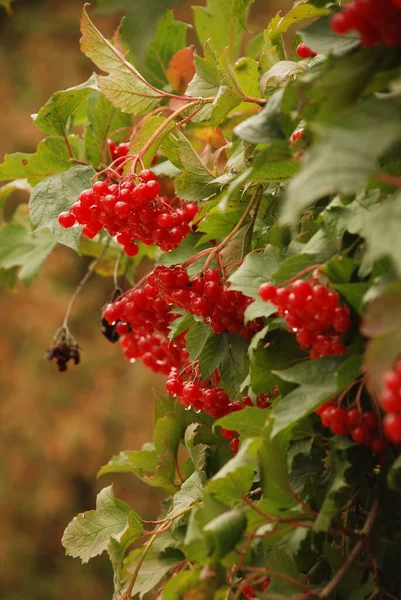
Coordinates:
331 586
82 283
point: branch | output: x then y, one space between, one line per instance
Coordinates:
331 586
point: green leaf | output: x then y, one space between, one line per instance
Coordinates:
345 158
220 221
354 294
279 25
293 265
349 371
266 125
167 434
235 479
213 352
22 248
338 484
118 546
279 74
54 118
234 365
255 270
55 195
89 533
102 120
240 10
223 104
321 38
196 339
248 422
50 157
176 587
142 134
152 570
218 24
192 184
169 38
189 493
281 352
186 250
223 533
273 468
124 86
197 452
282 562
394 475
8 189
382 232
382 323
137 462
317 383
180 325
258 308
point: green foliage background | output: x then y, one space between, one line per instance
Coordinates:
57 431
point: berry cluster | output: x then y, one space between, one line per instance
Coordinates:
363 427
212 399
390 400
118 151
304 51
251 591
62 353
132 211
206 296
375 20
313 313
141 319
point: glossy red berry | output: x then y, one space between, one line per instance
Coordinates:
304 51
66 219
392 427
234 445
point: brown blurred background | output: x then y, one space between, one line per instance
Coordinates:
56 430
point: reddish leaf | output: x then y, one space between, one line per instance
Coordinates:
181 69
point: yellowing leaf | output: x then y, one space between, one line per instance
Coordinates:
124 86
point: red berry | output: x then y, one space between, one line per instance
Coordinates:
392 427
354 418
147 175
304 51
361 436
234 444
390 401
267 292
340 23
379 445
66 219
370 421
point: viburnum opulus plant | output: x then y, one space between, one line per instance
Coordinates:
261 180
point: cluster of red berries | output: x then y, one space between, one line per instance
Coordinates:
375 20
390 400
304 51
210 398
313 313
250 591
206 296
363 427
132 211
118 150
141 318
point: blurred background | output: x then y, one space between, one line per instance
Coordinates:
57 430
